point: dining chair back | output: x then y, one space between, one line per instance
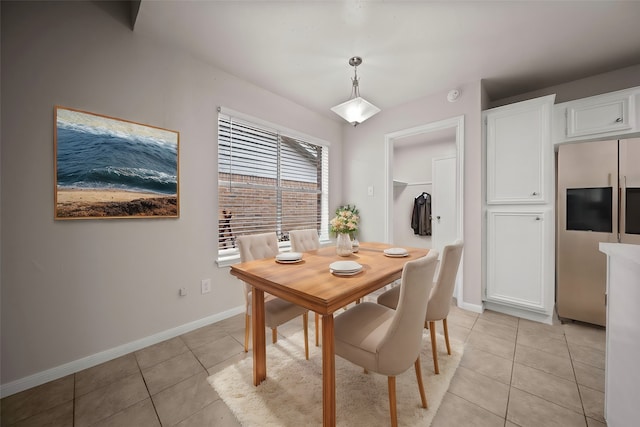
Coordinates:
441 296
277 311
442 293
439 299
388 341
304 240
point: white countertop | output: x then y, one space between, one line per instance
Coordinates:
624 250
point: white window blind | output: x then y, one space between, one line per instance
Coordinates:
268 181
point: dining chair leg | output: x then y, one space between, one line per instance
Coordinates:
423 396
305 325
247 328
274 335
392 401
317 330
446 335
434 349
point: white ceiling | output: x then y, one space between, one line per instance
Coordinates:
410 49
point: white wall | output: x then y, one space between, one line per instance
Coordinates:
363 147
412 164
72 289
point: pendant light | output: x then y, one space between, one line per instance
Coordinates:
357 109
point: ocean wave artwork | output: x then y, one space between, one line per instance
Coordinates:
101 160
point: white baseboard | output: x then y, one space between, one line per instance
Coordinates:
110 354
523 313
470 307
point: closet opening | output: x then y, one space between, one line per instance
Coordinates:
427 159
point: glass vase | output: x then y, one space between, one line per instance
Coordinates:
355 245
343 245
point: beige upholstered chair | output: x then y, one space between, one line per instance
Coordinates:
388 341
302 241
276 311
440 298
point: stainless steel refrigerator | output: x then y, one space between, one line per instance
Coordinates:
598 200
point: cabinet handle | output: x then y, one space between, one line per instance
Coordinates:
535 193
538 218
619 120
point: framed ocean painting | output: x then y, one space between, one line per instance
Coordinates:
114 168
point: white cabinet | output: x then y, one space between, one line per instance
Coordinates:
519 233
623 328
519 152
613 114
600 116
518 263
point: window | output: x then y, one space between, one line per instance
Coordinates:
268 180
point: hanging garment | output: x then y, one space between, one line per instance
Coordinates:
421 218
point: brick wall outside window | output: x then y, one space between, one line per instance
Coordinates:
253 210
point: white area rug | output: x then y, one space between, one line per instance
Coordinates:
292 393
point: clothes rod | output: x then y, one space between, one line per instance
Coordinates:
420 183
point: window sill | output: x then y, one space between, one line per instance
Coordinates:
227 260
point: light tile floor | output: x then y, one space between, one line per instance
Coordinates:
514 372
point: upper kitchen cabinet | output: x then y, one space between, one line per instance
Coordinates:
519 152
613 114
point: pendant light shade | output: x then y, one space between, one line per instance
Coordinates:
357 109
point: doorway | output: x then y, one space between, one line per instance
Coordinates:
456 124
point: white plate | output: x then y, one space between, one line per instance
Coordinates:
397 256
396 252
345 267
345 273
289 256
294 261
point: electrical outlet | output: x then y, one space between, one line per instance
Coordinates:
182 292
370 190
205 286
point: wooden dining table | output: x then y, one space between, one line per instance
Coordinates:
310 284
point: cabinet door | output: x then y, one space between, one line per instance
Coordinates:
519 152
598 115
517 266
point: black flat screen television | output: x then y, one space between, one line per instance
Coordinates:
590 209
632 211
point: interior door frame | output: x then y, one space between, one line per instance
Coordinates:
456 123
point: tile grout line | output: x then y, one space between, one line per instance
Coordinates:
573 369
513 366
551 401
227 334
155 410
479 373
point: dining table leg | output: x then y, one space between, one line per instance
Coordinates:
259 342
328 373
